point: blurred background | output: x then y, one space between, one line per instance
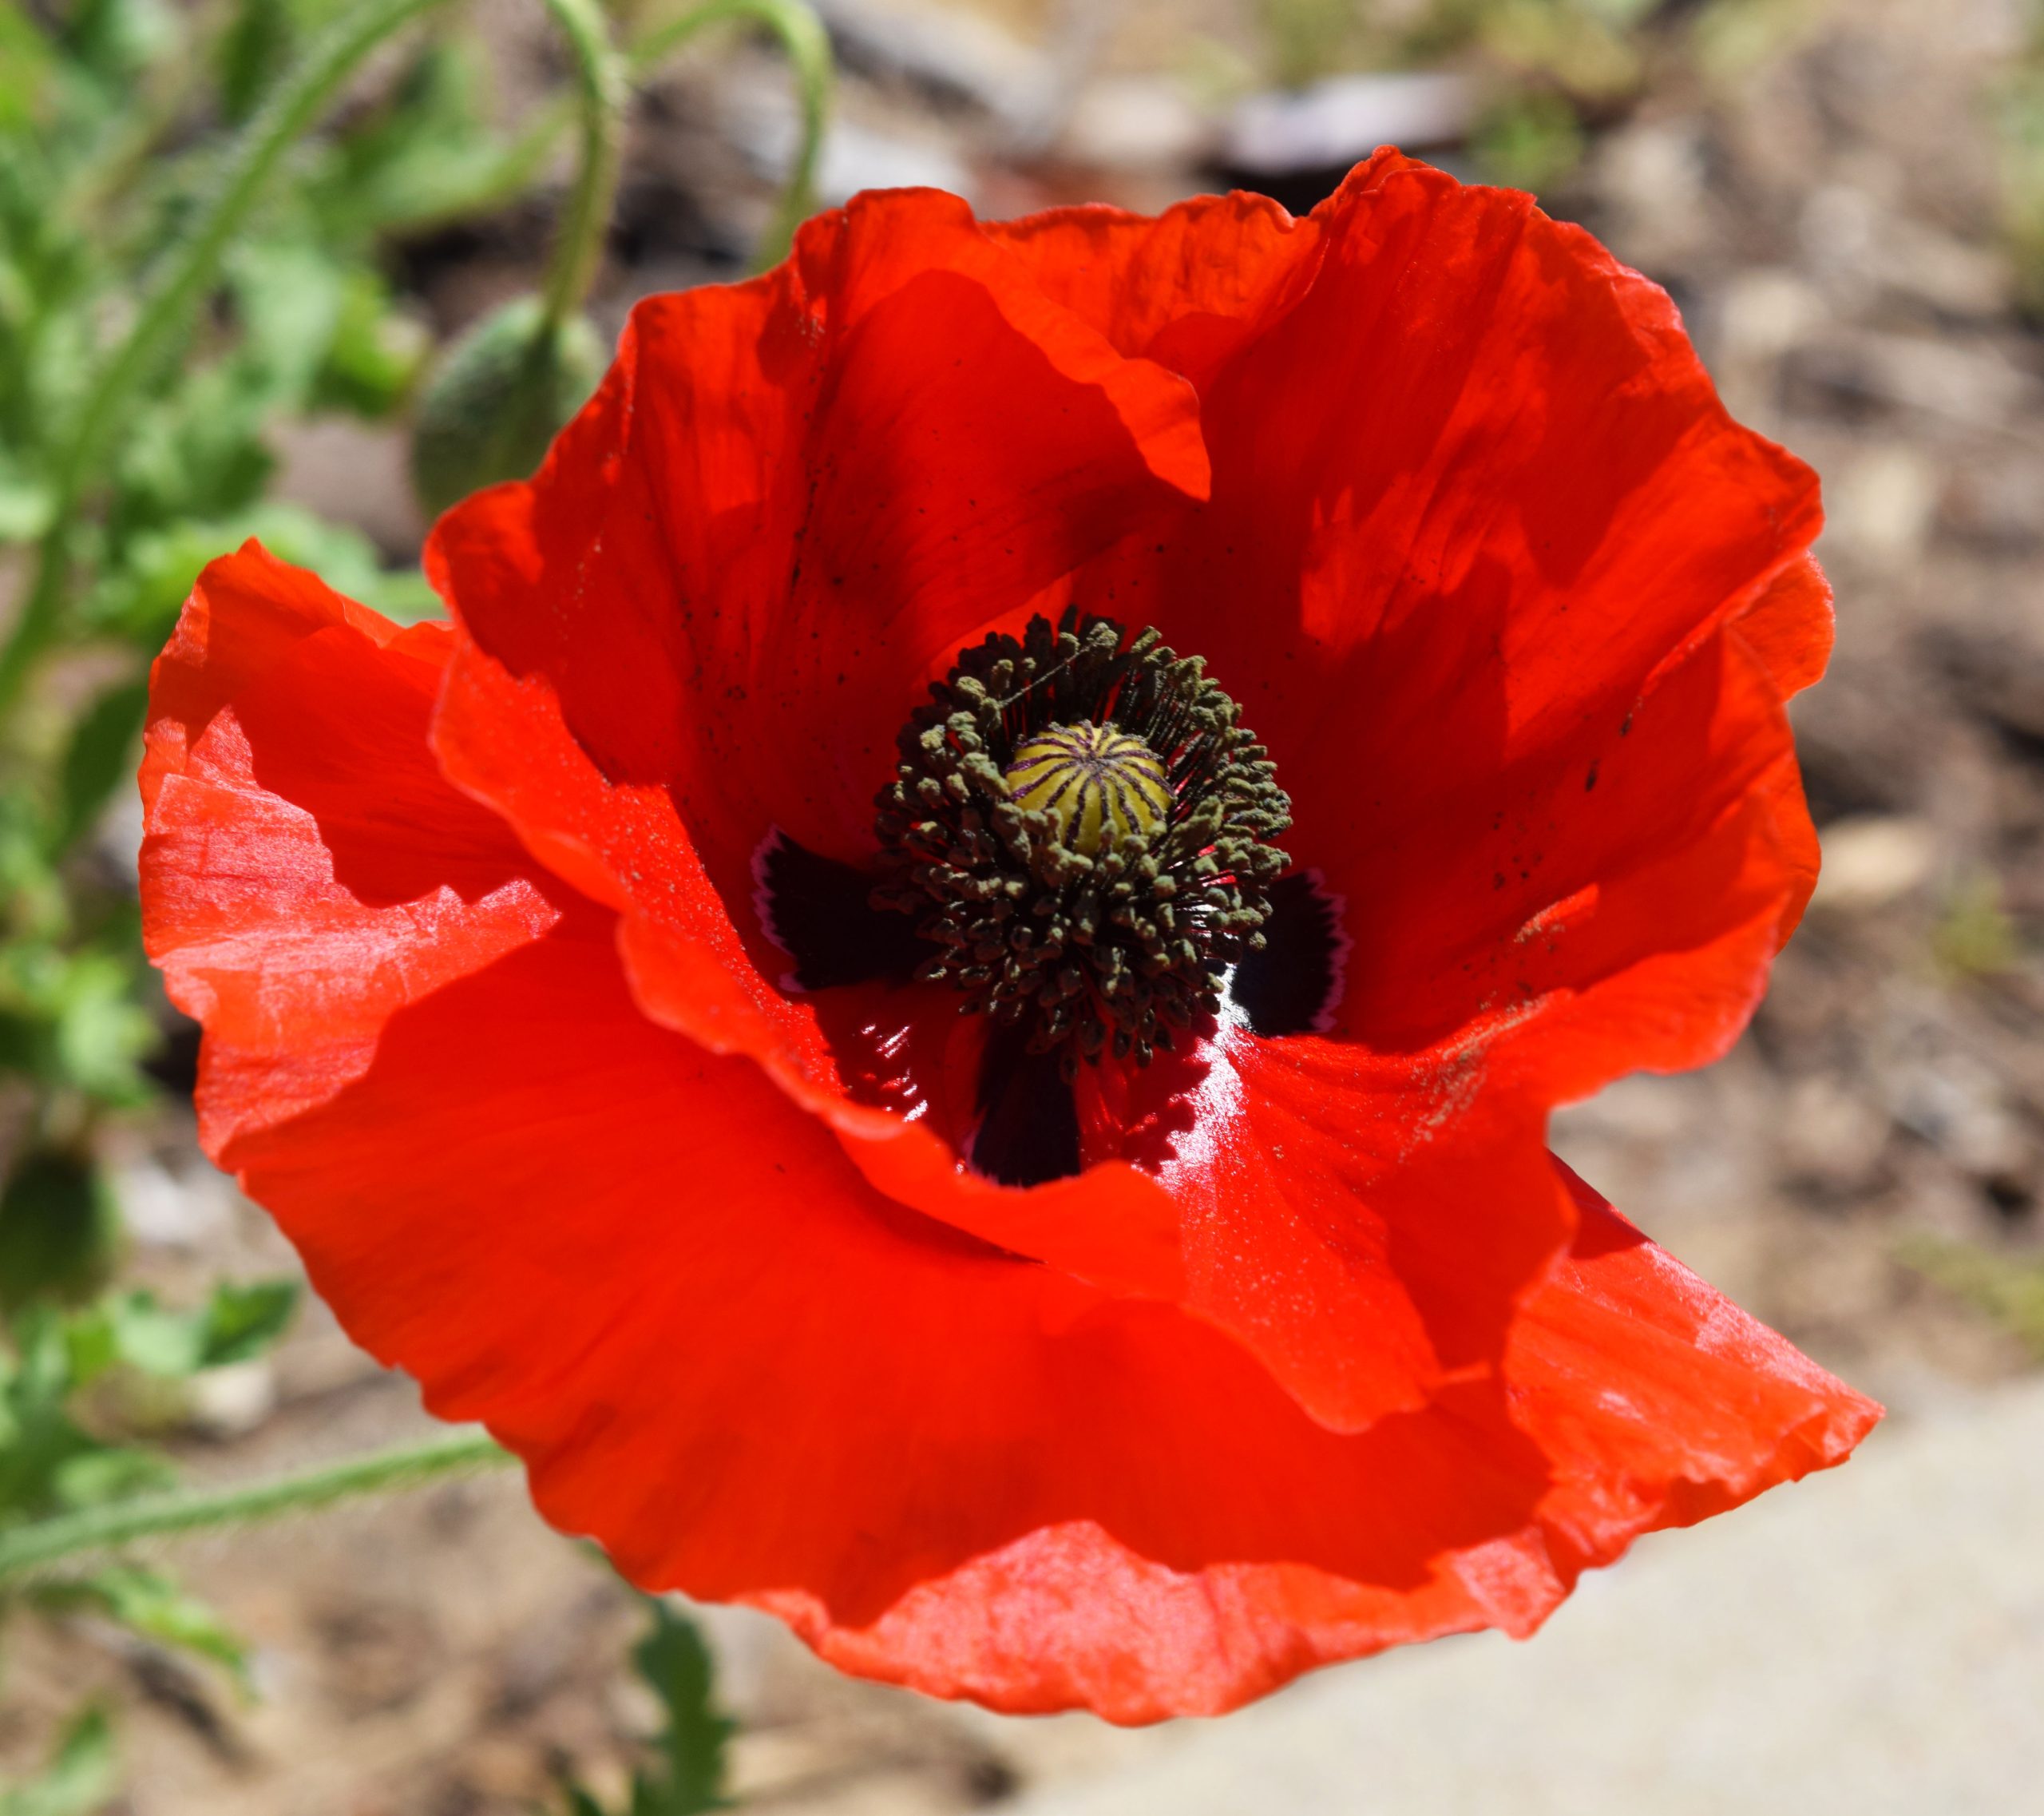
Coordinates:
1845 197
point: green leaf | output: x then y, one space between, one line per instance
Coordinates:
117 39
41 1374
243 1320
240 1321
90 1345
25 66
157 1341
59 1226
140 599
690 1777
251 52
375 352
39 1437
199 452
26 501
69 1019
151 1604
102 1033
423 157
80 1778
106 1472
99 758
290 296
674 1660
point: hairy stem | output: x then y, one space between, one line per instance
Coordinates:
32 1549
808 47
578 246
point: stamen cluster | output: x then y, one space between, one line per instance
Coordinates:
1112 948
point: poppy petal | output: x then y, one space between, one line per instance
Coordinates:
1468 430
306 869
1658 960
527 1202
477 1208
780 517
1367 1226
624 828
1655 1402
1186 288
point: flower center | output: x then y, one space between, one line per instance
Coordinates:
1080 824
1100 786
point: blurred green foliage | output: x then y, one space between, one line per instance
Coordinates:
2008 1289
184 267
2020 116
1974 936
73 1381
115 119
1550 68
499 397
80 1779
687 1775
105 155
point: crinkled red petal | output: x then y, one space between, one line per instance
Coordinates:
306 871
1654 1401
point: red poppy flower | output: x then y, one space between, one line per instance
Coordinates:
597 1037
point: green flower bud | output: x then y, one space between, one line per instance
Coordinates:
60 1229
506 389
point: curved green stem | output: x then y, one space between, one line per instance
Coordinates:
299 100
32 1549
578 246
808 47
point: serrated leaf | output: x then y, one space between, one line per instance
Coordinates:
675 1663
81 1777
242 1321
690 1777
98 759
148 1602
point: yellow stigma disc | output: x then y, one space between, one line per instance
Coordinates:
1098 783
